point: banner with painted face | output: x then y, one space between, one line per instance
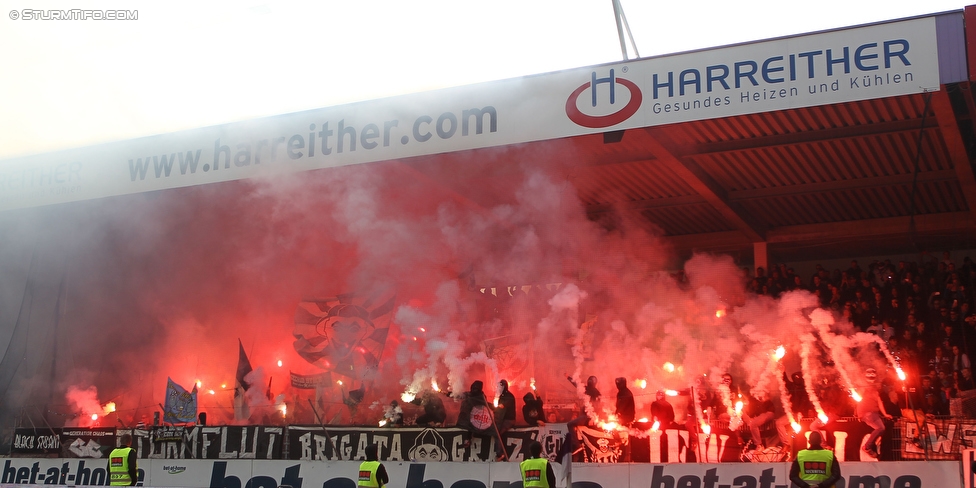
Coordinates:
417 444
344 335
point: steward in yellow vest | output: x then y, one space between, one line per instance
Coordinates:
536 470
122 469
815 467
371 471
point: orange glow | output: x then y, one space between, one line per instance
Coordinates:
608 426
719 313
823 417
532 383
642 420
199 383
211 392
433 384
669 367
423 329
94 416
796 427
408 397
109 407
707 429
339 382
901 374
670 392
780 352
738 407
279 363
657 425
855 396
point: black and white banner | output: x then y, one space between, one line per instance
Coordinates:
36 442
91 442
220 442
415 443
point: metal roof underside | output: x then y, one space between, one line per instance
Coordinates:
884 176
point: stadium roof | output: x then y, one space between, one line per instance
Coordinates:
865 163
848 179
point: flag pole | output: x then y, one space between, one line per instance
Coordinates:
494 424
322 424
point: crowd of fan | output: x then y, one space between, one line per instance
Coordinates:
923 309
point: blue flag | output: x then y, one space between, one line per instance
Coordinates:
181 405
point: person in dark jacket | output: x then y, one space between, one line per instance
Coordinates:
532 409
476 416
505 411
626 410
434 412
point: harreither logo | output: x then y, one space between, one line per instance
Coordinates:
598 106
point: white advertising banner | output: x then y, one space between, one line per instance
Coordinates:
861 63
342 474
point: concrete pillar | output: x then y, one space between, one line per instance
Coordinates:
760 257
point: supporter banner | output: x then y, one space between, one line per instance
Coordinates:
338 474
861 63
225 442
91 442
36 442
181 405
944 438
310 381
551 436
677 445
414 443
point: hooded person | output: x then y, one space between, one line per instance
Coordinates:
474 414
476 417
626 410
504 414
434 412
532 409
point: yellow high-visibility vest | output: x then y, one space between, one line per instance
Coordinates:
534 473
815 464
367 474
119 467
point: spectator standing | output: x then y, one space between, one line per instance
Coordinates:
122 467
532 411
815 467
626 410
372 473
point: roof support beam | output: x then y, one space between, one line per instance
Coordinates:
948 222
949 127
836 134
881 181
704 185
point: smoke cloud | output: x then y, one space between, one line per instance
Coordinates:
498 273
